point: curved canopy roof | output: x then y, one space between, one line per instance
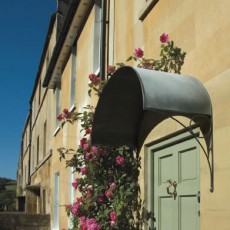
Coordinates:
136 100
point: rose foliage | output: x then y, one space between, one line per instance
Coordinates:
108 193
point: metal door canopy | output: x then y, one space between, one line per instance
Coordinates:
136 100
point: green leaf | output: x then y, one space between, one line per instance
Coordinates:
120 64
62 124
166 49
89 92
161 53
129 58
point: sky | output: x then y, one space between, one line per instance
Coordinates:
23 28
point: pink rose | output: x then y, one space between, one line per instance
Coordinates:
68 206
79 200
83 219
83 141
94 149
94 79
103 153
60 117
92 224
88 155
111 69
164 38
100 199
75 209
113 216
120 160
112 223
89 224
66 113
112 185
75 184
92 76
108 194
86 146
84 171
88 131
83 223
88 194
89 191
139 53
83 226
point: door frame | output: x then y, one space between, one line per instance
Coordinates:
161 143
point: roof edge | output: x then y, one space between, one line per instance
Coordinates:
62 38
50 28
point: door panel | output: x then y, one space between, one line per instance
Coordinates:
188 165
165 168
165 209
188 213
175 186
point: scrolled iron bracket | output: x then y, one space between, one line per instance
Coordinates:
209 152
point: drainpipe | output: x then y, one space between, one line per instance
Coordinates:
30 125
103 39
21 166
108 21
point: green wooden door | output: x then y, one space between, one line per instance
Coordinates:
176 185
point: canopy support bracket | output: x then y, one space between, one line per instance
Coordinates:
208 153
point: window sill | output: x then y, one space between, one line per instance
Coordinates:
146 9
72 108
56 131
42 162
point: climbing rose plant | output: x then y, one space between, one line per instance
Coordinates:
171 57
107 177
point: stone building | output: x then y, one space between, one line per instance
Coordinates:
84 37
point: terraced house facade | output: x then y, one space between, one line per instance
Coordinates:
86 36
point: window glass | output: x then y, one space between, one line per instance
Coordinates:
44 139
37 150
73 76
58 104
97 36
